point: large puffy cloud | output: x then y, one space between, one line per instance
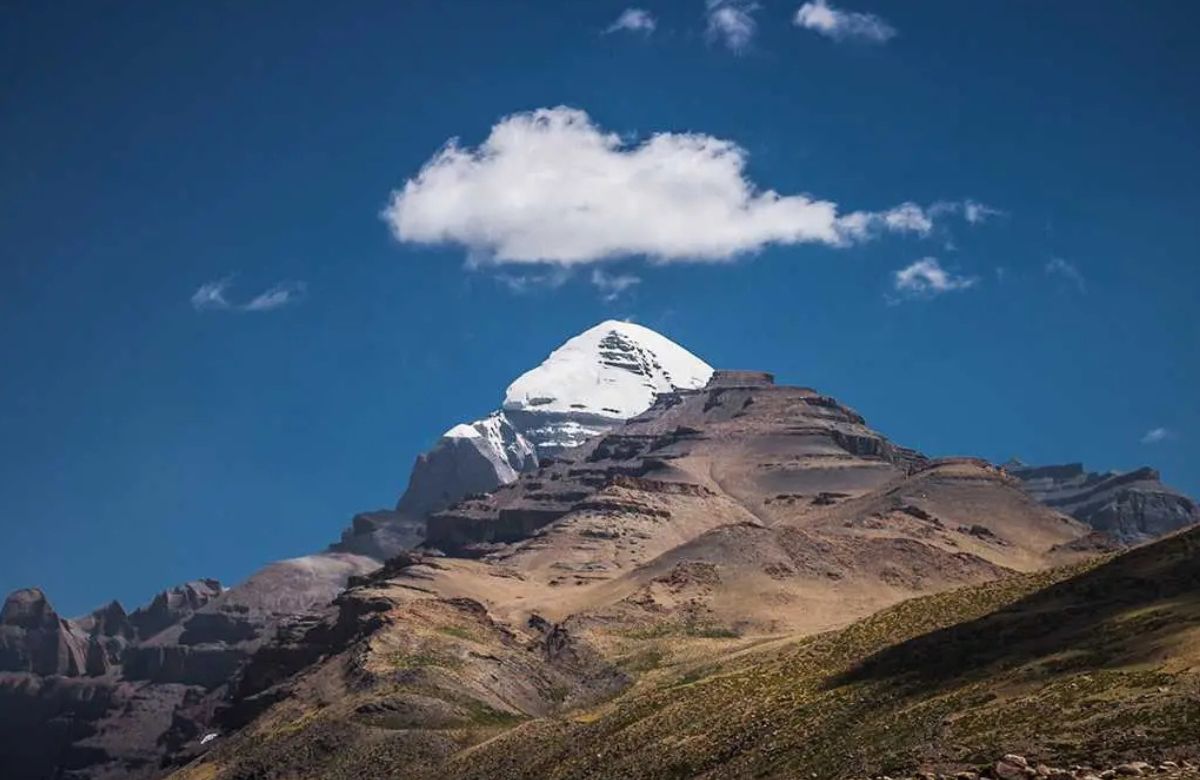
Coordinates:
550 186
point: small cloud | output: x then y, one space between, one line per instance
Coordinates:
824 19
731 23
211 295
972 211
906 218
611 286
1059 267
926 278
521 284
636 20
975 212
1156 435
283 294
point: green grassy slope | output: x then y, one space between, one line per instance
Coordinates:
1091 663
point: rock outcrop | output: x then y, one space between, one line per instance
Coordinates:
1132 507
33 638
74 693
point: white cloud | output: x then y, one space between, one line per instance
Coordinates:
213 295
1059 267
824 19
905 218
520 284
280 295
611 286
926 278
731 22
633 20
975 212
550 186
1156 435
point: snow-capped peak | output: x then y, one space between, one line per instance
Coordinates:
614 370
589 385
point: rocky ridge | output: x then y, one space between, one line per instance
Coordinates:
1132 507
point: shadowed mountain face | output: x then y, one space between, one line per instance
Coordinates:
111 694
738 516
1131 507
95 695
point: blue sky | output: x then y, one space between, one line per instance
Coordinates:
149 149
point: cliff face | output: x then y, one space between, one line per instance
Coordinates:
74 693
1132 507
112 693
33 638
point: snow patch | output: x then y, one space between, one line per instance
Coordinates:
612 370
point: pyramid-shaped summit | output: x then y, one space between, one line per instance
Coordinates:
613 370
593 382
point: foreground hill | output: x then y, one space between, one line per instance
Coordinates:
1094 663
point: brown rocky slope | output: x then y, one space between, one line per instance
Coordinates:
708 536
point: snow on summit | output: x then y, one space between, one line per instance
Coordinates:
614 369
589 385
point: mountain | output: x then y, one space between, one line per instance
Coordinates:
89 696
114 694
592 383
626 527
723 522
1132 507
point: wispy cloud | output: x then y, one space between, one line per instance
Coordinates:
551 186
611 286
974 212
635 20
213 295
521 284
824 19
926 279
1156 435
731 23
1059 267
282 294
905 218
